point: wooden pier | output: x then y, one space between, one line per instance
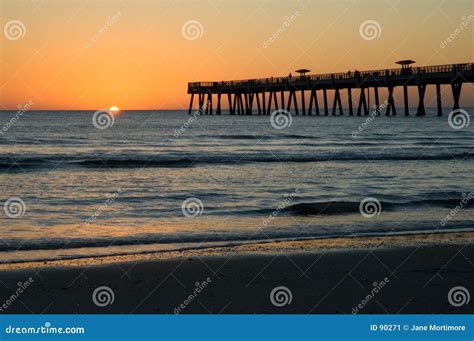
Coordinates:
290 93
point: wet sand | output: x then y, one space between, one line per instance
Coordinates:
399 274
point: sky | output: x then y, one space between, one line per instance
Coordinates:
89 54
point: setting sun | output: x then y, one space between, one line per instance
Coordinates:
114 109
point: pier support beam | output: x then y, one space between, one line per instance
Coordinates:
241 105
231 107
292 98
218 110
247 103
282 99
438 99
313 99
377 101
236 104
303 104
273 97
349 99
263 103
251 96
405 100
390 103
420 111
191 104
456 88
209 104
325 97
270 98
239 99
362 103
201 103
259 108
337 103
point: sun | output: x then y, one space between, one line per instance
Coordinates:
114 109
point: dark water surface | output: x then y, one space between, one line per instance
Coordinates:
120 190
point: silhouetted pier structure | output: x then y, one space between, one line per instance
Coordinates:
245 95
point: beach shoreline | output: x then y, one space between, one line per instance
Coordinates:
323 276
347 243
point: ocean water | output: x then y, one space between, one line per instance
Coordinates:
162 180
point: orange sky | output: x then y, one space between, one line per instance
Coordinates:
78 54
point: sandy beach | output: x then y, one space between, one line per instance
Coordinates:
411 274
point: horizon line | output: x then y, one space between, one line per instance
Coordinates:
186 110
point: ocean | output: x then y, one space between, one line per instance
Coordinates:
164 180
